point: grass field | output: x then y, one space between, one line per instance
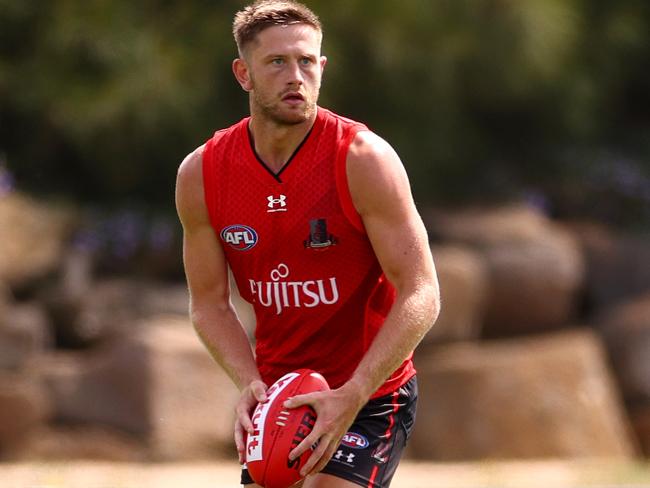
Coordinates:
542 474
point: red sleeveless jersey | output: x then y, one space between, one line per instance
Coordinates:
299 252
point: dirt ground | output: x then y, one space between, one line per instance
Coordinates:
542 474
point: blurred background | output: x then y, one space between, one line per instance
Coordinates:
524 127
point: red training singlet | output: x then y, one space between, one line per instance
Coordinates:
299 252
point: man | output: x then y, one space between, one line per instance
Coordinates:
314 215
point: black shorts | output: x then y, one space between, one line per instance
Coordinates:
371 450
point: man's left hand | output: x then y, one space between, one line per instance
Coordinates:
335 412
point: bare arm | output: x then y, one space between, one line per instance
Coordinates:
381 194
211 311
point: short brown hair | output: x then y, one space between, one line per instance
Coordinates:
265 13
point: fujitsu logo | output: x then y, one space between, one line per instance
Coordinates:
281 293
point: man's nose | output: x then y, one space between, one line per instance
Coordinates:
295 74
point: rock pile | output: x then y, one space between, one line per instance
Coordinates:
541 349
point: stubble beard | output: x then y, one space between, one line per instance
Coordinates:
274 112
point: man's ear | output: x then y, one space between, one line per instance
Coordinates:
242 74
323 62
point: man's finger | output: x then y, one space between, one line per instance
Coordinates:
315 457
239 441
306 444
239 437
259 391
300 400
244 419
325 458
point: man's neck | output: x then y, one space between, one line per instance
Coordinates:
275 143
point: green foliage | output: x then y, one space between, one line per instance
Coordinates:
484 99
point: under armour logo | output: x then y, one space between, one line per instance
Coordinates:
339 454
274 202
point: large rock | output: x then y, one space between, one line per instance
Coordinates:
618 264
86 311
626 329
535 267
24 408
24 334
526 398
103 310
34 236
158 383
463 286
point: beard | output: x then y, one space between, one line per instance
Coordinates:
276 112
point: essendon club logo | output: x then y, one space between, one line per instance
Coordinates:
318 236
239 237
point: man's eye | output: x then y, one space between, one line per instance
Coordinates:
305 61
277 61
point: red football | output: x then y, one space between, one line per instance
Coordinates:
279 430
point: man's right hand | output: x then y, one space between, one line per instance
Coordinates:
253 394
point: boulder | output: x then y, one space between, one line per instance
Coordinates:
483 226
549 396
535 266
103 310
159 383
86 312
37 234
109 387
617 264
24 334
626 329
462 275
24 408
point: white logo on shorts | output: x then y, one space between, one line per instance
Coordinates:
349 457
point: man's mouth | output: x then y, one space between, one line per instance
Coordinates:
294 97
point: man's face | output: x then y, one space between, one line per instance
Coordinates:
285 69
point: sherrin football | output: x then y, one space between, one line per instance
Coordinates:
279 430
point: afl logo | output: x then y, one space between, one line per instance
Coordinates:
354 440
239 237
